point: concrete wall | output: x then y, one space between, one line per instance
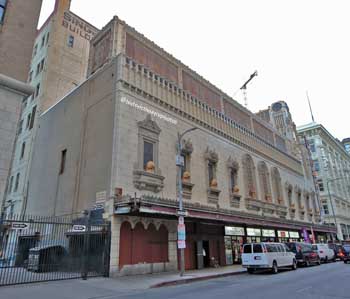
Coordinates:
17 35
72 124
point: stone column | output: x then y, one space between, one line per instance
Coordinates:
115 242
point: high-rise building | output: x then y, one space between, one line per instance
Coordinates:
59 63
112 142
346 143
18 26
18 29
331 165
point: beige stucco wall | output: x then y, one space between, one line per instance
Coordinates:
17 35
82 123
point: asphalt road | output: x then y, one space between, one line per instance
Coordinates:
326 281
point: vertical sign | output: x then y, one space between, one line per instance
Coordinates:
181 236
306 235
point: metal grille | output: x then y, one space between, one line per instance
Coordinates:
35 249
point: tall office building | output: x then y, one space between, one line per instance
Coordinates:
332 170
346 143
58 64
18 23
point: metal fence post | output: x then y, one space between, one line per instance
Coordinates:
85 266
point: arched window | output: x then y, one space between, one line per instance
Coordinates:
249 176
277 186
264 178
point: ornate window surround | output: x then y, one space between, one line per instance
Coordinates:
212 157
148 179
186 151
234 192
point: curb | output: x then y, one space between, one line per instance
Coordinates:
193 279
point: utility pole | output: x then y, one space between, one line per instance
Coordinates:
181 231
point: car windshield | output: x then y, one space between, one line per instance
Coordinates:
347 248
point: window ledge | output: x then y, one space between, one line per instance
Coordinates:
144 180
213 195
187 189
235 200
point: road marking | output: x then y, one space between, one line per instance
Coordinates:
304 289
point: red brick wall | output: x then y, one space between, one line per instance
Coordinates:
146 56
200 91
237 115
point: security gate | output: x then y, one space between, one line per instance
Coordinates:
35 249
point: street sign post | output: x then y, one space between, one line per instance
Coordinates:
79 228
181 244
20 225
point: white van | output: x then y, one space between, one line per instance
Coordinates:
267 256
325 253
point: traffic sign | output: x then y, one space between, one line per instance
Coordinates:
79 228
181 244
180 161
181 232
182 213
20 225
181 220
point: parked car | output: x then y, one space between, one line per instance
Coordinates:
346 252
46 258
267 256
304 253
325 253
338 250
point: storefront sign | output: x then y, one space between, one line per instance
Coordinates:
282 234
234 231
268 233
254 232
294 235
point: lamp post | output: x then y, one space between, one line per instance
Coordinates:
181 226
331 201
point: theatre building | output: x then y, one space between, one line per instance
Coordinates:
112 142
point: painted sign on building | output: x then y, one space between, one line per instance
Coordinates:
74 24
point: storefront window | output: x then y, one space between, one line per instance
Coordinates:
233 244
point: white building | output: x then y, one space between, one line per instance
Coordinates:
59 63
332 167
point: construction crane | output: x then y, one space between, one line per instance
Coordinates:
244 88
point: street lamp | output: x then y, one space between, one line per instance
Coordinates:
181 212
331 201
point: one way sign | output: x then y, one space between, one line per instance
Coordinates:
20 225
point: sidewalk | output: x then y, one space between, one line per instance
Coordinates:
105 287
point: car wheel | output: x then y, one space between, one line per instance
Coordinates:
274 267
294 266
345 262
250 270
